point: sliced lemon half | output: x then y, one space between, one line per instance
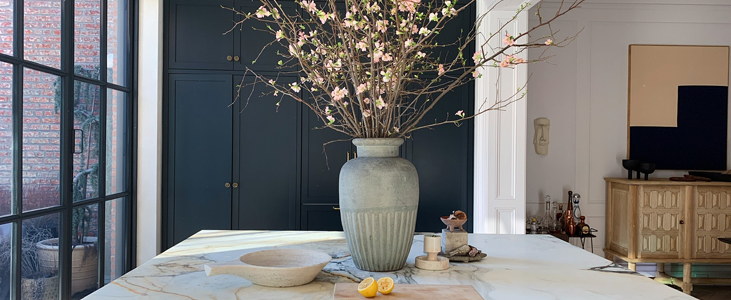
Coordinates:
385 285
368 287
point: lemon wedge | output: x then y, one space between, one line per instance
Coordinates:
385 285
368 287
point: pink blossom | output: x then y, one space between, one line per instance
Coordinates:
380 104
339 94
408 5
477 56
409 43
360 89
295 87
508 40
424 31
381 25
441 69
549 42
366 113
367 100
504 63
476 74
331 120
387 57
262 12
310 6
279 35
395 129
460 113
361 46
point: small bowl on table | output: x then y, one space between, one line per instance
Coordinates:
453 223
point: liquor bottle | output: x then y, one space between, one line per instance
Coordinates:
548 218
570 224
559 217
577 210
583 228
554 212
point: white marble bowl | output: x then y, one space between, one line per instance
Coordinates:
274 268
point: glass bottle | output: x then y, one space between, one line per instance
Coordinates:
554 212
559 217
569 223
548 218
583 228
577 209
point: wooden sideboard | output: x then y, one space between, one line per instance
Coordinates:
662 221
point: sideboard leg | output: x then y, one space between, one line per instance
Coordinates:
632 266
660 270
687 274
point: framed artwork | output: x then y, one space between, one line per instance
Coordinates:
678 106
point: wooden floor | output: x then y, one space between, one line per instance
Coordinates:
710 292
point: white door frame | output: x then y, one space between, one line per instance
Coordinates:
500 136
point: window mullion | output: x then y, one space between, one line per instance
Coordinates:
67 146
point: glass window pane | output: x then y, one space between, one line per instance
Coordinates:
87 24
117 41
84 255
114 239
39 263
42 32
6 256
6 27
87 99
6 139
41 139
117 147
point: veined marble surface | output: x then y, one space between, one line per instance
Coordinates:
517 267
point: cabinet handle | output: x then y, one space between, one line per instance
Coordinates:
236 184
336 208
236 58
347 156
355 154
227 185
682 222
229 58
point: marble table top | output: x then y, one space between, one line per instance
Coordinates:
517 267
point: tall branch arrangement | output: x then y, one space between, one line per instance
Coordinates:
374 68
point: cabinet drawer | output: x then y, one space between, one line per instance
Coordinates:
321 217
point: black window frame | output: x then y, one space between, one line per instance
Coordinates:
67 205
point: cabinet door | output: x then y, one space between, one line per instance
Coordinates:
268 161
443 159
321 218
660 212
200 139
321 167
711 220
195 33
254 36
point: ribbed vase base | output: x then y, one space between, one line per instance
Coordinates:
379 239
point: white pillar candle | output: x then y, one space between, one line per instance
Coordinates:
432 245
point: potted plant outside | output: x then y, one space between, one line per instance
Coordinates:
36 281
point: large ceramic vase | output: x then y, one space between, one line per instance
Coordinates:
379 195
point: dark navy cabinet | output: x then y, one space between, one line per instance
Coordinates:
234 159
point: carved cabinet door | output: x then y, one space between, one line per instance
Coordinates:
712 219
661 221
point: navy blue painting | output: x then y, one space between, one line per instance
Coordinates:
699 140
